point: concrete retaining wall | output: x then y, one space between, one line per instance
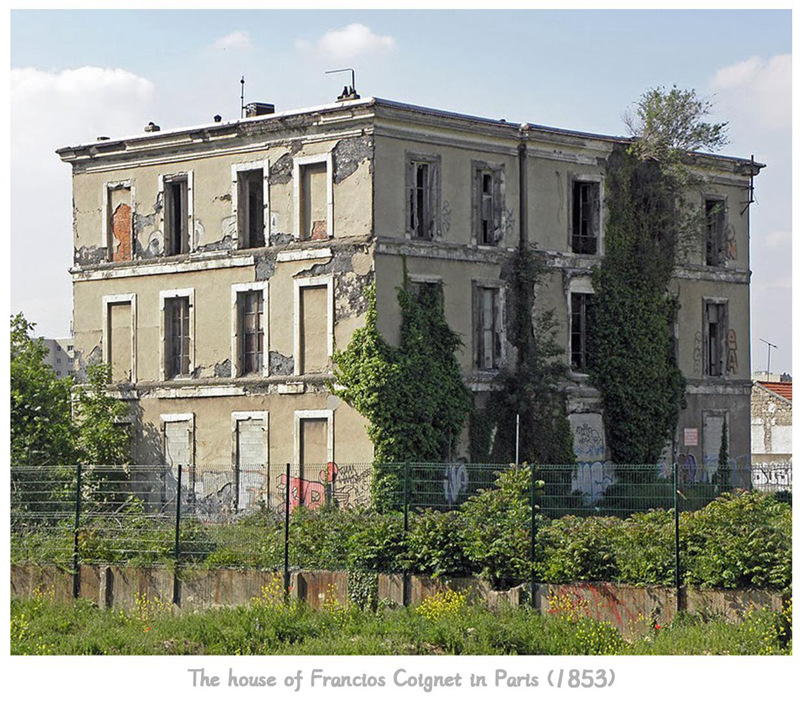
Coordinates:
630 609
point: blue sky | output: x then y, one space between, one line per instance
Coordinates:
575 69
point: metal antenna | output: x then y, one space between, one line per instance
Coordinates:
241 110
770 346
352 76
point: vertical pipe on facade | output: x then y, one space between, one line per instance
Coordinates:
522 155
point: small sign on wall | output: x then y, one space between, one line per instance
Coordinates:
690 437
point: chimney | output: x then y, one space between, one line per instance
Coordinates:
348 93
258 109
152 126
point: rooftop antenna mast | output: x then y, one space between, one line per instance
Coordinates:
770 346
241 109
351 91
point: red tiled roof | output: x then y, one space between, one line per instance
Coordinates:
783 389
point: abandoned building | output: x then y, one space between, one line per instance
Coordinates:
218 267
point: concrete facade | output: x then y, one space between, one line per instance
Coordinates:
60 355
217 268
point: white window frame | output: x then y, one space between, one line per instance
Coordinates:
165 178
177 418
108 237
163 296
587 178
299 283
301 414
108 300
299 162
236 417
237 168
581 286
235 291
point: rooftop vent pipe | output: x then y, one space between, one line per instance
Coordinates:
152 126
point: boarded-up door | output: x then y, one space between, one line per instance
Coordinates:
177 451
119 338
712 440
251 449
313 460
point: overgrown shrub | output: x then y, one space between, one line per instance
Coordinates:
436 544
645 548
379 545
579 549
739 540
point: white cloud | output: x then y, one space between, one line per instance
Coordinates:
50 110
347 43
759 89
235 40
778 239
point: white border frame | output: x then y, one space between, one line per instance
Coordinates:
163 296
237 168
120 299
108 188
235 291
236 417
318 281
301 414
299 162
176 418
165 178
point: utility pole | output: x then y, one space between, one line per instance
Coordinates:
770 346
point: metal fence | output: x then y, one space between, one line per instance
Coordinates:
220 516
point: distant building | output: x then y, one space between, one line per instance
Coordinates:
60 356
771 422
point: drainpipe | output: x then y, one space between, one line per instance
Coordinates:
522 150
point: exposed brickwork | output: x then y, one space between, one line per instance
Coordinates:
121 229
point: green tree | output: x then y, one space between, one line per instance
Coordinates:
41 429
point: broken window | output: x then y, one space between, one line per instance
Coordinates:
715 231
488 204
488 326
580 329
585 216
119 223
716 330
177 336
176 216
251 331
314 201
422 187
250 208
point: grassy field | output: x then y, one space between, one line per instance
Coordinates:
444 624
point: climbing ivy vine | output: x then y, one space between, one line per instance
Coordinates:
530 385
412 395
631 346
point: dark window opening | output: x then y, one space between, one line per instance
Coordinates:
715 231
427 293
489 343
421 198
585 216
580 329
176 216
487 209
716 331
251 208
177 336
251 325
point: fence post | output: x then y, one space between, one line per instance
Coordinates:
176 582
286 578
676 508
406 582
76 571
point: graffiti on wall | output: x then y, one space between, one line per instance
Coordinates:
732 363
345 486
593 478
697 354
455 482
589 437
730 243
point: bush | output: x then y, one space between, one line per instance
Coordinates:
436 544
579 549
739 540
497 529
379 545
645 548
